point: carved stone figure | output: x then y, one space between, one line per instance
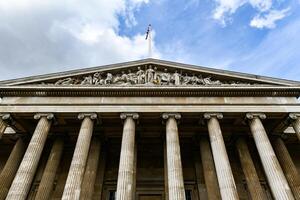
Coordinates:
176 78
66 81
165 77
97 79
132 77
140 76
88 80
109 79
150 74
186 80
208 81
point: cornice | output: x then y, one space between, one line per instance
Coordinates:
42 91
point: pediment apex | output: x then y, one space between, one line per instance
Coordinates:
148 72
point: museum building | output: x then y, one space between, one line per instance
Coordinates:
149 130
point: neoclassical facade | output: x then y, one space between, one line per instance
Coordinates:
149 130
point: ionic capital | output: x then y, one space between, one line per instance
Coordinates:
93 116
6 117
125 115
166 116
213 115
294 116
49 116
255 115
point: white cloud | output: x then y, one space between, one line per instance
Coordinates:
226 8
268 20
54 35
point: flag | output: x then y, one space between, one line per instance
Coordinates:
148 31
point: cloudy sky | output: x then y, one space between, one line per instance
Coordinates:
252 36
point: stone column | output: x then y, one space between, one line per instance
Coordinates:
126 166
225 177
276 179
166 171
89 178
175 176
23 179
134 172
47 181
75 176
10 168
295 119
210 176
291 173
253 183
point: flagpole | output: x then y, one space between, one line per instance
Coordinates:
150 42
149 38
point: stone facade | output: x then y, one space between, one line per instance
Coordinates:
149 130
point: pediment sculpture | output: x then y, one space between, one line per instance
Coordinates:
150 76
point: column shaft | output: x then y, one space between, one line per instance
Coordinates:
75 176
2 127
89 178
126 166
134 172
47 181
166 172
225 177
253 183
23 179
277 181
288 166
210 176
175 176
10 168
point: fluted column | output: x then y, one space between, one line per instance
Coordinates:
166 171
75 176
126 166
4 118
276 179
253 183
291 173
11 166
295 119
88 183
175 176
23 179
47 181
225 177
210 176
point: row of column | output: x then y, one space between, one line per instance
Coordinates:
81 178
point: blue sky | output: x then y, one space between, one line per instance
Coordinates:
253 36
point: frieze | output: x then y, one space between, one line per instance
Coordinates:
150 76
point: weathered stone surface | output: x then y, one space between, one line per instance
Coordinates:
255 190
276 179
148 76
10 168
210 176
226 182
291 173
125 183
47 181
175 177
89 177
25 174
75 176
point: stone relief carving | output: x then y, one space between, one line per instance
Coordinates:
148 76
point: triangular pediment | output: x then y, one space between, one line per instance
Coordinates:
149 73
